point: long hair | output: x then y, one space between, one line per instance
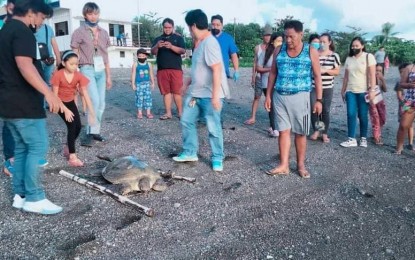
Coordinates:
270 47
331 46
66 55
357 38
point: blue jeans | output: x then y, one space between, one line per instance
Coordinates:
31 145
8 142
203 107
357 107
96 90
47 72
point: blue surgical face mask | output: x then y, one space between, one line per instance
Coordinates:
316 45
91 24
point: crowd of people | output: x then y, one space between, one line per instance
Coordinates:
296 78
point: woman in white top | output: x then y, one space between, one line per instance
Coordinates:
359 79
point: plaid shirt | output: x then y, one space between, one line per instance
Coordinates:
83 40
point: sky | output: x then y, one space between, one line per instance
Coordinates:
317 15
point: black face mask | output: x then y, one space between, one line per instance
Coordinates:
215 31
9 16
33 28
356 51
141 60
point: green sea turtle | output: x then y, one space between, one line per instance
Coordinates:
133 175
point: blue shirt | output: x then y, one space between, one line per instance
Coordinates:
294 73
228 47
41 37
142 73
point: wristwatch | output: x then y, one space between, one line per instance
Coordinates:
319 100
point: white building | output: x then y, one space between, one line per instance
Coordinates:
115 17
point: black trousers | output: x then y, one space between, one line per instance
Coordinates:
74 127
325 114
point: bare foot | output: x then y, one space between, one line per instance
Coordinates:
315 135
279 170
325 138
250 121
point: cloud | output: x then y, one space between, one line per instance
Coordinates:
369 15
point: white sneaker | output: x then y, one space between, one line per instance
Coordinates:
273 133
42 206
351 142
363 142
18 202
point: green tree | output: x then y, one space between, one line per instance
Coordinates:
150 28
246 38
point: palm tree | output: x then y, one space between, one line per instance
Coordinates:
387 32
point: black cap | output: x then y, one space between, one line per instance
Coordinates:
142 51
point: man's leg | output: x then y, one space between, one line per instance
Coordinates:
167 105
300 147
31 145
179 103
189 130
284 138
214 126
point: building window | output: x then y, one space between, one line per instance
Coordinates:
115 29
61 28
122 54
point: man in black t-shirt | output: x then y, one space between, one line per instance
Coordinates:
169 47
21 97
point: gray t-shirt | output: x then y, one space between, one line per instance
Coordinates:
380 56
205 55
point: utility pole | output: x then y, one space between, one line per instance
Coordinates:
138 23
234 27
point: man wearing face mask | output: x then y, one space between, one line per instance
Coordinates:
91 42
22 91
227 46
9 10
169 47
8 142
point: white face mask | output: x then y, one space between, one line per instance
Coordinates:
324 47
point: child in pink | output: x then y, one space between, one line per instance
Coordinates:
66 81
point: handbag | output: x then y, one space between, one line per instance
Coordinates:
44 51
378 92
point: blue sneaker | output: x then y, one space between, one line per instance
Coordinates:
185 158
217 166
43 163
8 168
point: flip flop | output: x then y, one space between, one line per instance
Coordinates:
304 174
150 116
277 173
249 122
139 116
165 117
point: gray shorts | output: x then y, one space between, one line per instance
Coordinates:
258 88
292 112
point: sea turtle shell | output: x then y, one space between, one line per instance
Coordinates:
133 174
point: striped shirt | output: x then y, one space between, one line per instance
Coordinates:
83 40
328 62
294 73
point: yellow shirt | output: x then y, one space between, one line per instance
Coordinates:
357 68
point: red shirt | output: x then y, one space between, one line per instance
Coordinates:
67 90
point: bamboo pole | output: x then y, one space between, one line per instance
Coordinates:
124 200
